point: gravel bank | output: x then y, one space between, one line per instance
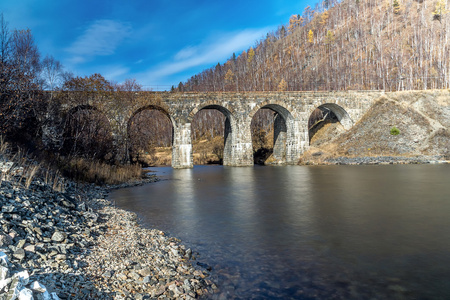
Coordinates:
316 159
76 245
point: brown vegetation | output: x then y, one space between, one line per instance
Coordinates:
363 44
99 172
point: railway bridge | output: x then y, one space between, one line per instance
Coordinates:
292 112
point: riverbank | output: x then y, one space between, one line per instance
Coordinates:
74 242
316 159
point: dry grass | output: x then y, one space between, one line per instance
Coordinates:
161 157
22 170
204 150
98 172
53 170
3 145
29 174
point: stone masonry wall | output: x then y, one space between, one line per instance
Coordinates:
294 108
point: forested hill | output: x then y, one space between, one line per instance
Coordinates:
353 44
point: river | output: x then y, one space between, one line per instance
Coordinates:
308 232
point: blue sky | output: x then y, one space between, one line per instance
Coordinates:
157 42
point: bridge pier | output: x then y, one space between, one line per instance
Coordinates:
182 146
238 151
279 139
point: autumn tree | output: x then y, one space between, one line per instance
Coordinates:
229 79
396 6
365 44
310 36
294 22
440 10
20 96
282 86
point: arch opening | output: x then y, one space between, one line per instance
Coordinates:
211 134
150 137
327 121
87 134
270 129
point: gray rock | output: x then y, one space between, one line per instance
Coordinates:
145 272
30 248
58 236
19 254
5 240
20 243
7 208
38 287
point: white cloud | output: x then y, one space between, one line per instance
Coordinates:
208 52
101 38
115 73
186 53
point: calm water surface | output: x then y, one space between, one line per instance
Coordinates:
299 232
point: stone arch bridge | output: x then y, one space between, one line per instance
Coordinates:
292 109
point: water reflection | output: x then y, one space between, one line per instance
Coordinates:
184 199
242 198
341 232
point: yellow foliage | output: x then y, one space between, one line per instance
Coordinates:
441 9
229 77
294 22
324 17
311 36
282 86
251 55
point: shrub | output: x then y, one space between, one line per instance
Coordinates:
395 130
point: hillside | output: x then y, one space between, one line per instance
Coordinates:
364 44
423 125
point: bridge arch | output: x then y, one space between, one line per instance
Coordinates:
229 133
228 112
327 112
284 129
280 107
151 107
87 131
146 142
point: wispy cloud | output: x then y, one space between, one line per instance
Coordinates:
213 50
100 38
115 72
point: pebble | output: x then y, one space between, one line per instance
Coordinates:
77 245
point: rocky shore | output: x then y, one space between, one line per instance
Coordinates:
70 242
316 159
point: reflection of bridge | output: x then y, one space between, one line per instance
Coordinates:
293 110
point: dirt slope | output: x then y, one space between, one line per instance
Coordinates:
423 121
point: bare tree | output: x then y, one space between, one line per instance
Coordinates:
52 73
20 98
